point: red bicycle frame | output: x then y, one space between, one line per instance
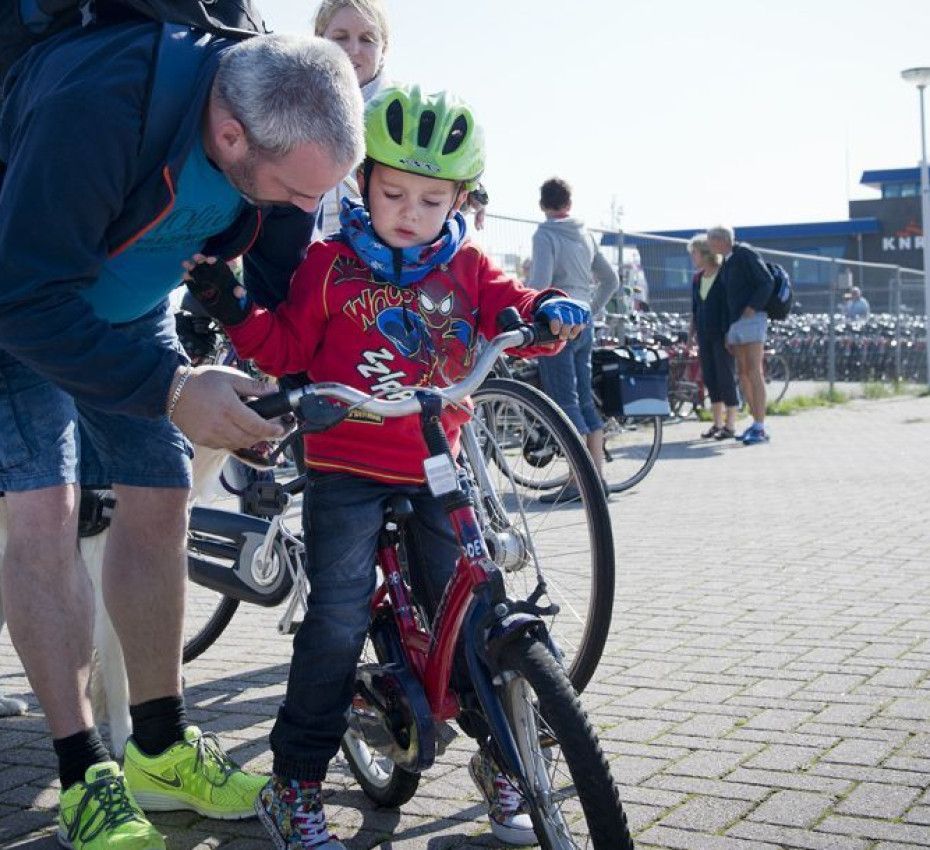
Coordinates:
431 655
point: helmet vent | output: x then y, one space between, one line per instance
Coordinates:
456 135
425 131
394 116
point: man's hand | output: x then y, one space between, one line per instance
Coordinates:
748 313
567 317
210 410
214 285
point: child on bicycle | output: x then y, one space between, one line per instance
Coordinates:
395 300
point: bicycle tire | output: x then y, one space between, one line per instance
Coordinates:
549 725
382 781
681 408
777 378
631 447
206 636
569 545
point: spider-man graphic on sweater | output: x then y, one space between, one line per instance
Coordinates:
340 323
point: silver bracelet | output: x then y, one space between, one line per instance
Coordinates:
176 395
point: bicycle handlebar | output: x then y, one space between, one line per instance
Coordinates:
518 335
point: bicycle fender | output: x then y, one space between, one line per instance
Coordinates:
507 629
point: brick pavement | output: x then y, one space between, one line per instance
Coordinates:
766 682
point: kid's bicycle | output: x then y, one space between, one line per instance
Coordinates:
560 555
487 660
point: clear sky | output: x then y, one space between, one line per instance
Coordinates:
684 113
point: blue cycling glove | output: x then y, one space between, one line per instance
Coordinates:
567 310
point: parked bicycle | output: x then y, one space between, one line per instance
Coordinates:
686 390
632 442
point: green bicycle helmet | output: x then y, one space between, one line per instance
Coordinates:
430 134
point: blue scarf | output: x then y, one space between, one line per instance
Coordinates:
400 266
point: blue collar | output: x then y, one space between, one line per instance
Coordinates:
400 266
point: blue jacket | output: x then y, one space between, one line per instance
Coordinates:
746 280
95 128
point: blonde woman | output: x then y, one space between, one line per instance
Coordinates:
360 28
709 326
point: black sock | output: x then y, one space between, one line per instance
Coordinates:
158 723
78 752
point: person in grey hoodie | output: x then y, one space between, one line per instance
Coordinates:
566 256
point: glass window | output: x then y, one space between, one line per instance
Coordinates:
909 190
891 190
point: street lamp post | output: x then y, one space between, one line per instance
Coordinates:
920 77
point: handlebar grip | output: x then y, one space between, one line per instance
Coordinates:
541 332
270 406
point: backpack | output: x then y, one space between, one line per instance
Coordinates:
779 304
24 23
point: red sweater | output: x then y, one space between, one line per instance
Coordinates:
340 324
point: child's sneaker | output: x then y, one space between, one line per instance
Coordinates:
100 814
292 813
755 434
507 809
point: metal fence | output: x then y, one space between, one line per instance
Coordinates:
657 271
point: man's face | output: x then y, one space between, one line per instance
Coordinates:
300 178
719 245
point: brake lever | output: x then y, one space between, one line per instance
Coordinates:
318 414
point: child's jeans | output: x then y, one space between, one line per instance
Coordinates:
343 516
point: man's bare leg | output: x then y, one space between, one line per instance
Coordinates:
144 574
756 379
49 604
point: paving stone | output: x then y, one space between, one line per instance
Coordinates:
877 829
706 814
859 752
707 764
790 838
919 814
677 839
783 757
872 800
792 808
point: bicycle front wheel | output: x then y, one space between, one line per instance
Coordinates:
207 612
544 536
572 796
631 447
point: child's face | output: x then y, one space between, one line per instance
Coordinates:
409 209
360 38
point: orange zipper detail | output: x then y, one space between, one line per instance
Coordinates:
167 175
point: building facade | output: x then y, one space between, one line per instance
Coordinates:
885 229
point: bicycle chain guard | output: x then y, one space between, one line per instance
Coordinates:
389 709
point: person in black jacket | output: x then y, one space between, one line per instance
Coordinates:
709 326
748 285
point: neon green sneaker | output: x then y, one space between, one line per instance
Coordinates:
193 774
100 814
